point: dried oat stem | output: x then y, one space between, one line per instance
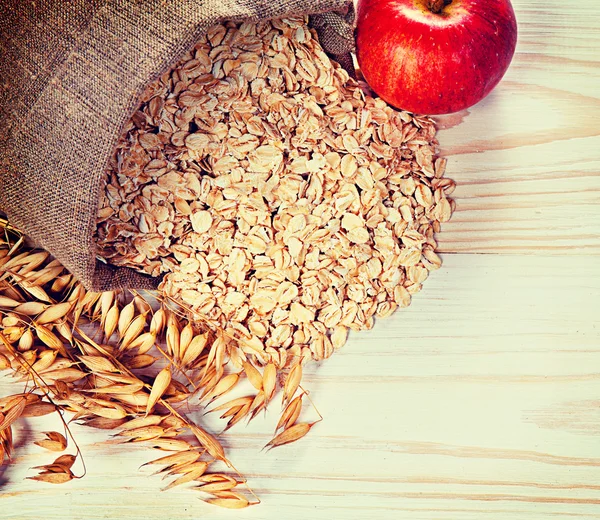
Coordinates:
176 413
307 394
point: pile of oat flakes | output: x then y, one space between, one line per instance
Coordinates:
280 201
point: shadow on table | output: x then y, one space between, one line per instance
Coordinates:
23 438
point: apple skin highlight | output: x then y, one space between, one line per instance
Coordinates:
434 56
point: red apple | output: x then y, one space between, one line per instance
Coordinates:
434 56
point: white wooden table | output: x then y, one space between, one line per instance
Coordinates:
482 399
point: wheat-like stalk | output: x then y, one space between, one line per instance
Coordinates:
94 356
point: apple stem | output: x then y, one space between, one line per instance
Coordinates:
436 6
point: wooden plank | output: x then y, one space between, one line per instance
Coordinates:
479 401
527 158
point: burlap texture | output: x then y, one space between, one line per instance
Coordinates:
71 73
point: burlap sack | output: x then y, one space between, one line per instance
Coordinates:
71 72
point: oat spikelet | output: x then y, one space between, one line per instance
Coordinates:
133 331
4 362
292 434
141 361
26 340
66 461
183 457
36 292
222 387
38 409
292 382
45 360
183 469
253 375
31 308
234 403
212 487
290 414
217 477
189 476
8 303
125 318
173 335
257 404
98 364
185 337
161 382
269 380
143 343
55 441
237 416
10 415
158 322
171 445
106 301
145 433
111 321
54 313
53 478
193 351
49 339
229 500
209 442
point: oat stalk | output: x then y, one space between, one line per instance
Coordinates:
43 387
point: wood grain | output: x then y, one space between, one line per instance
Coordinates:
479 401
526 158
